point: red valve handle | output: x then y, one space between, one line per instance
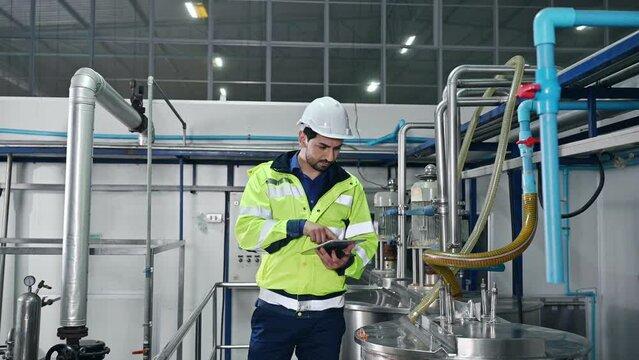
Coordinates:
528 91
530 142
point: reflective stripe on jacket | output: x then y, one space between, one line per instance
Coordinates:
272 197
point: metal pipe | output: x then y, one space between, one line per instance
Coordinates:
148 260
442 175
401 194
181 253
482 83
493 302
214 326
442 303
87 87
452 147
420 275
175 112
198 338
415 259
5 223
171 346
484 299
450 311
469 92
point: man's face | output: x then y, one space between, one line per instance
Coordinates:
320 152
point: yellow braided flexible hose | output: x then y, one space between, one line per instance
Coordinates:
443 261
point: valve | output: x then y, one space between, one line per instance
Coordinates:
528 91
530 142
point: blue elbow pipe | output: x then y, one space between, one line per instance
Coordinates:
544 25
392 136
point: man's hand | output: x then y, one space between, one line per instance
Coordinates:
318 233
331 261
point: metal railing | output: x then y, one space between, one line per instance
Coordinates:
195 318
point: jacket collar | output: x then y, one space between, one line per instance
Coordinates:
335 173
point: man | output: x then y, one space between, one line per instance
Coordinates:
301 199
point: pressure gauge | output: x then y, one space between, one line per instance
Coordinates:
29 280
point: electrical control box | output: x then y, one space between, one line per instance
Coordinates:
242 264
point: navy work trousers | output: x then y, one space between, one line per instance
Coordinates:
278 331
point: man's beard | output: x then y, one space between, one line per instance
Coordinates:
319 165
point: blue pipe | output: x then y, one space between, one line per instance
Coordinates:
526 152
548 105
495 268
590 294
390 137
195 137
422 211
601 105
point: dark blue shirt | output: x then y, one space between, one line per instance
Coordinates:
313 188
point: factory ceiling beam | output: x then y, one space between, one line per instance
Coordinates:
13 20
74 14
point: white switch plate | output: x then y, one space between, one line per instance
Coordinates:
214 218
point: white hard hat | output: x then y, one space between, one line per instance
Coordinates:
327 117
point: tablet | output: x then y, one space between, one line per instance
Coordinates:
332 245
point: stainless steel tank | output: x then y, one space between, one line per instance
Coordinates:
365 307
27 324
399 339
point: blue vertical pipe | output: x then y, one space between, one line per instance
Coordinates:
545 23
526 152
547 107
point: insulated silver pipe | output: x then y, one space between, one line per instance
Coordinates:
5 223
148 269
87 87
452 145
441 138
401 194
442 174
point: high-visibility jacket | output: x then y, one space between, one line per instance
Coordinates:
273 195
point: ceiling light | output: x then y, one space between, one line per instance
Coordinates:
581 28
403 51
410 40
196 10
218 62
372 86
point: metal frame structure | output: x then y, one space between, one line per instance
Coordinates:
439 19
